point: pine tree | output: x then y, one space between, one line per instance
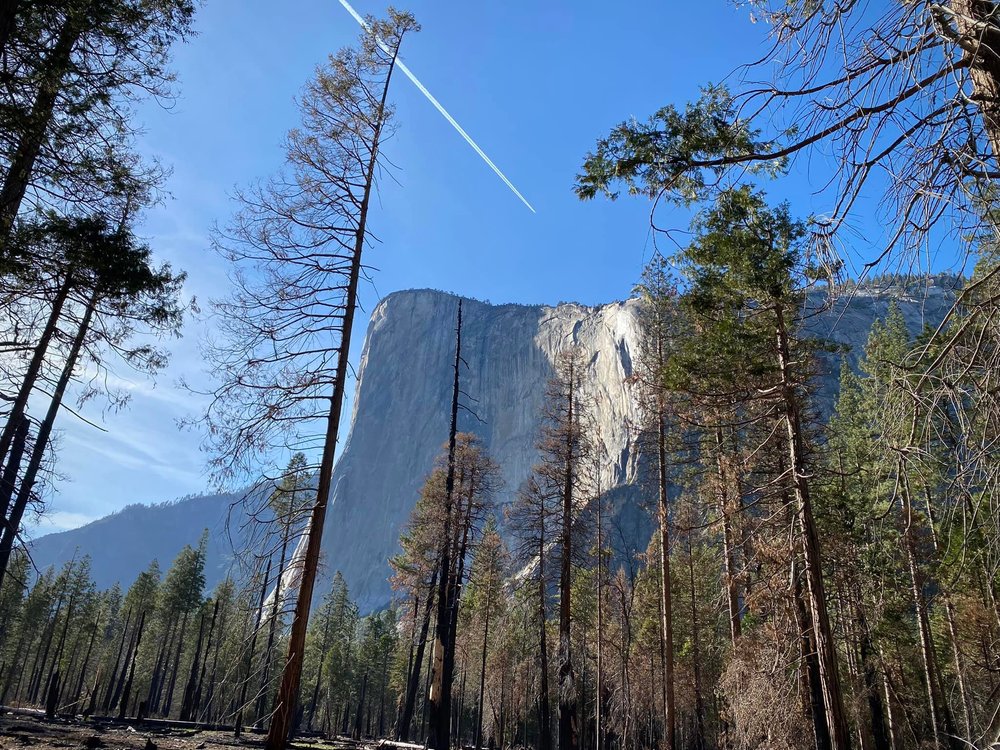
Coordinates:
73 70
746 279
296 246
486 597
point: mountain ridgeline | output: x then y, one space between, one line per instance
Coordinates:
401 415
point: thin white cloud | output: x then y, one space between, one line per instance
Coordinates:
430 97
60 521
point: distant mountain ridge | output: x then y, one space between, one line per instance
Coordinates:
124 543
400 422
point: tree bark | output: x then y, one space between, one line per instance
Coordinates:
248 662
319 673
403 731
78 693
114 670
822 632
699 702
17 417
544 711
666 614
22 163
130 672
187 702
977 24
482 664
196 702
42 439
942 720
169 699
599 677
569 738
120 686
8 19
811 682
439 699
273 625
728 557
288 690
8 481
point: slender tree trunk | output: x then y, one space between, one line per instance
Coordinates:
8 480
599 678
361 706
248 662
324 646
210 696
42 655
458 582
78 693
130 672
20 403
728 544
61 646
159 668
30 141
569 733
381 696
461 704
403 732
114 671
42 439
956 650
880 732
699 703
8 19
666 613
273 625
482 663
288 690
942 723
822 632
544 711
439 699
196 703
120 686
811 682
169 699
187 702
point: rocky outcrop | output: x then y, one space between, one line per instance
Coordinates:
400 416
400 419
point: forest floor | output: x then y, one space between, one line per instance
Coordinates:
23 731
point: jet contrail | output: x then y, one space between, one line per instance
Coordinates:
430 97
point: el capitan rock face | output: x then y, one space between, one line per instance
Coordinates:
400 422
401 413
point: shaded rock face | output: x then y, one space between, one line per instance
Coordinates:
400 420
400 425
401 415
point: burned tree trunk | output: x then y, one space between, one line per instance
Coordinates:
24 493
130 672
403 731
569 731
187 703
822 632
439 699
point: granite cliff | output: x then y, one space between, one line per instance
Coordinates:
400 422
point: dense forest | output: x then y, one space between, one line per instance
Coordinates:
814 580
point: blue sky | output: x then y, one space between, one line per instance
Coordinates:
534 83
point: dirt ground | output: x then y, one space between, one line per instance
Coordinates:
27 732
